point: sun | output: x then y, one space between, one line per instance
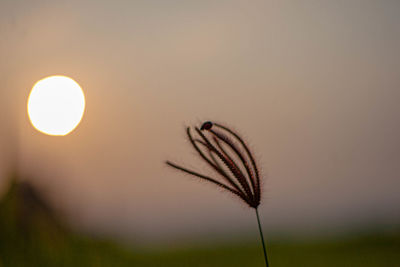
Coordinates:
56 105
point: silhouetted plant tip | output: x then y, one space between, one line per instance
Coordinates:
207 125
230 158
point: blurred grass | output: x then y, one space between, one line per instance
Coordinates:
362 251
78 251
30 235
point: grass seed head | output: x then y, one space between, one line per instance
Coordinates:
229 157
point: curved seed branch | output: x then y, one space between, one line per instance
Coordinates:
201 176
253 162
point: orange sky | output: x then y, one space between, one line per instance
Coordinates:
314 87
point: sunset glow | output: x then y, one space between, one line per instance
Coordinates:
56 105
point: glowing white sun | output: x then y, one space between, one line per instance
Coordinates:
56 105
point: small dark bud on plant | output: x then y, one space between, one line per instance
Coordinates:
206 126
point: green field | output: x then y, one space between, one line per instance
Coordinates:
78 251
30 235
367 251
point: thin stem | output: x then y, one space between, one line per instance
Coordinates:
262 239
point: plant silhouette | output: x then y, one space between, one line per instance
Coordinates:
229 156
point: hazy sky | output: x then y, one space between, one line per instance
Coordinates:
313 86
